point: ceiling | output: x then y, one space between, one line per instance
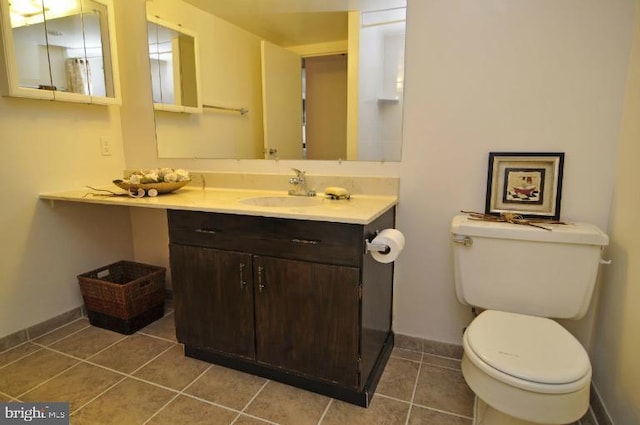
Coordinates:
292 22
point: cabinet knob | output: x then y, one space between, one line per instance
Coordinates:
261 285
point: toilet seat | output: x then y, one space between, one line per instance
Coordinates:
528 352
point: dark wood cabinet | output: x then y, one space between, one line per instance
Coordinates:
214 299
307 318
292 300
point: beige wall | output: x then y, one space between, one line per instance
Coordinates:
136 112
48 146
616 349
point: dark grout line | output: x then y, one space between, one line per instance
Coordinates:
58 328
25 356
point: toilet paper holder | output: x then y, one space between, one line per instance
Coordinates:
378 247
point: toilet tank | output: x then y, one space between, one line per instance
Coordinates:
524 269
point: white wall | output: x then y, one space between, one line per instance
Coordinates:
501 76
616 350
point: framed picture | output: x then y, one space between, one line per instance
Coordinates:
529 184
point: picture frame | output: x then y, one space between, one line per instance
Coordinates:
528 184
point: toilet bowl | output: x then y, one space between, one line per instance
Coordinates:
525 370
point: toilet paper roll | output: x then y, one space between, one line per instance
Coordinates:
392 238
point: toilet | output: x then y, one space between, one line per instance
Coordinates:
523 366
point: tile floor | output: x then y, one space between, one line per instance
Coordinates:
144 378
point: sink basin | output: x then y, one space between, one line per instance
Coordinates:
283 201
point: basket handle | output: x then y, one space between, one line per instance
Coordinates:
145 282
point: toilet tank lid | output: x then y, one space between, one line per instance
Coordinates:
577 233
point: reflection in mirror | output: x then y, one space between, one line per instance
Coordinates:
174 76
30 41
381 84
333 55
325 106
62 46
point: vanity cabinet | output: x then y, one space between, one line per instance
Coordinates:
296 301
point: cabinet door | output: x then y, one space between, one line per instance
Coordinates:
213 299
307 318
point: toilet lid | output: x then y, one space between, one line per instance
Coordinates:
532 348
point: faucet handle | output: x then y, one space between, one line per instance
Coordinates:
299 173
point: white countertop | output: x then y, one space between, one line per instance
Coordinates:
360 209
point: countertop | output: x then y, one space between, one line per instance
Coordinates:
360 209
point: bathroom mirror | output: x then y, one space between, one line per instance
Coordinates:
174 67
60 49
290 80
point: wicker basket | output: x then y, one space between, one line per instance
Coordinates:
123 296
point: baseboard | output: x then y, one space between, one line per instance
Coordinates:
39 329
10 341
428 346
598 408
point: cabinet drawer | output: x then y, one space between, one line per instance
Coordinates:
334 243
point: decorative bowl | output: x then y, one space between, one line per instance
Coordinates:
163 187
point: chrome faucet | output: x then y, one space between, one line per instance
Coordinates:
300 185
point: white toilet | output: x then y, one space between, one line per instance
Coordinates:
524 367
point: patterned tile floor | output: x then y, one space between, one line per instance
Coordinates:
144 378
